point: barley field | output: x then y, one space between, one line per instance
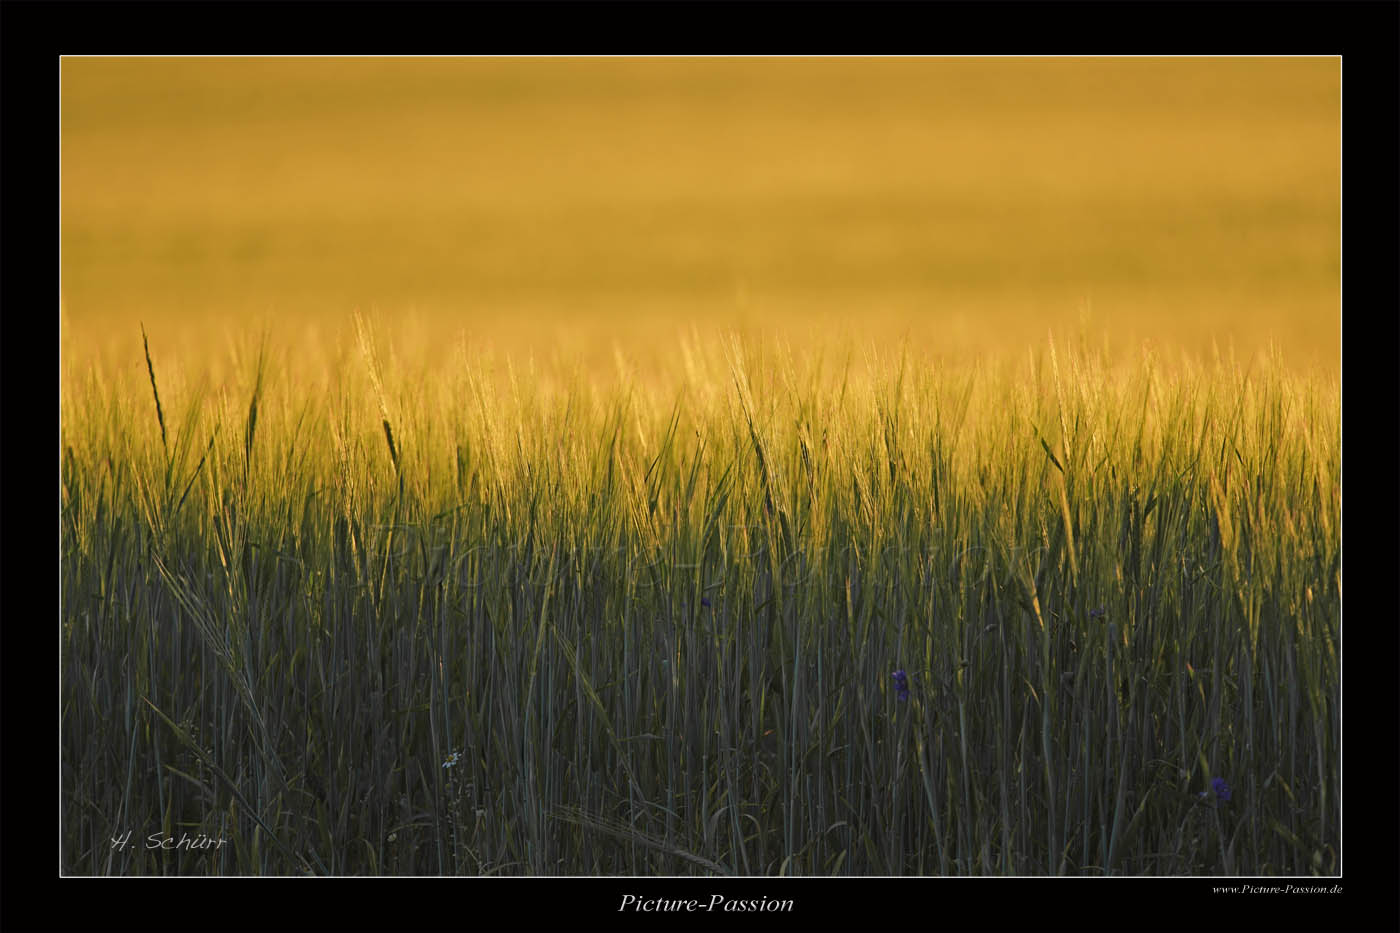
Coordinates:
700 467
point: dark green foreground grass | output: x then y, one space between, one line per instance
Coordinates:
445 629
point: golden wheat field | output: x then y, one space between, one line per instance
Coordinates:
762 466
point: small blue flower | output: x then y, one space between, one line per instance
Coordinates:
901 685
1221 789
705 601
1097 613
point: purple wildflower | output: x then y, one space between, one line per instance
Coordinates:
705 601
1096 613
1221 789
901 685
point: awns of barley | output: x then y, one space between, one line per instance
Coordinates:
393 451
151 370
253 407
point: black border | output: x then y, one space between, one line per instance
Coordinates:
35 33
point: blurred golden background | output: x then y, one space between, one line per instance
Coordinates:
968 205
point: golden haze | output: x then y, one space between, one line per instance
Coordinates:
969 205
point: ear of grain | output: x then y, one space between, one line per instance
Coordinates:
370 354
151 371
250 432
